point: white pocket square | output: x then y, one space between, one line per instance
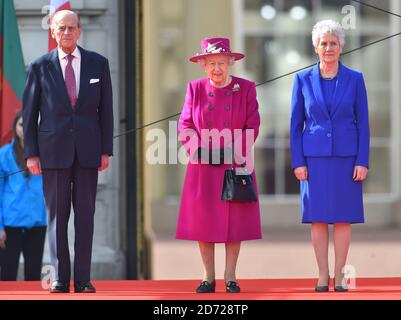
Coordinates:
93 81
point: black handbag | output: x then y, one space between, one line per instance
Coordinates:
237 187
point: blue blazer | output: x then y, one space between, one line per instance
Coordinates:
314 133
62 131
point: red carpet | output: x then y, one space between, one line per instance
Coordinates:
252 289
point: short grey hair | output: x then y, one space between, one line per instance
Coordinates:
328 26
202 61
55 18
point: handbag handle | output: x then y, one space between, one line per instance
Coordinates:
233 159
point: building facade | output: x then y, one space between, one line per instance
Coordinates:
275 35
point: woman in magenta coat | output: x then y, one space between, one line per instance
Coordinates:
217 106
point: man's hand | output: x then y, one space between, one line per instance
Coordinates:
105 162
301 173
3 238
33 164
360 173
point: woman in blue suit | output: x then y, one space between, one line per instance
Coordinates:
22 212
330 148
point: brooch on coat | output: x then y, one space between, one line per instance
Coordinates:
236 87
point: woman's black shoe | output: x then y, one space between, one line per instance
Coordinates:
322 288
339 288
206 287
232 287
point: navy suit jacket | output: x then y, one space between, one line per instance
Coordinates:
61 130
314 133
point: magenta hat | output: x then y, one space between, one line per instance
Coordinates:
213 46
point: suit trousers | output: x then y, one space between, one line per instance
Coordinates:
29 241
76 185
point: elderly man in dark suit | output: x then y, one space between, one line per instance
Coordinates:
69 90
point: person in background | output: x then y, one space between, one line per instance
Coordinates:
22 211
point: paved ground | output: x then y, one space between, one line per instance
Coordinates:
281 254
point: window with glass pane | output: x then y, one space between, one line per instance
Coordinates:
277 40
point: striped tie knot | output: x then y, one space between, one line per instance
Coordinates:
70 57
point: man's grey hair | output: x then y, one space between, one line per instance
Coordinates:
324 27
55 17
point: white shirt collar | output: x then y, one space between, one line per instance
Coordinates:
61 54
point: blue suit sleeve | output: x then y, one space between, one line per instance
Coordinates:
362 117
297 125
30 115
106 111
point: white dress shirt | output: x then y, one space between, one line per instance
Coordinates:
76 64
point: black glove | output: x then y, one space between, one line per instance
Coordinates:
215 157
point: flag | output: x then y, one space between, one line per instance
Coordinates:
56 5
12 70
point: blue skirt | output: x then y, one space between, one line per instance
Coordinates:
330 195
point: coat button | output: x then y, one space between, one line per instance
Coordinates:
329 135
209 123
227 108
210 94
210 107
228 93
226 123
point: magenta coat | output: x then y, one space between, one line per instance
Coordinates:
203 215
